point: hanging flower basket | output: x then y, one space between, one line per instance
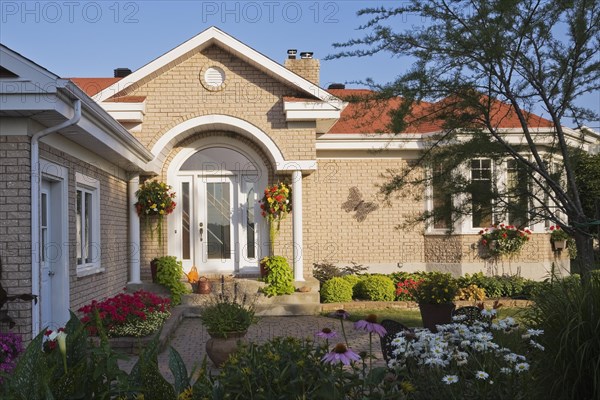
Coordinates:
503 240
155 199
276 204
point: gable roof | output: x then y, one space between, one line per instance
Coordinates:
93 86
373 116
214 36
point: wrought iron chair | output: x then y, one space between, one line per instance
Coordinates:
393 328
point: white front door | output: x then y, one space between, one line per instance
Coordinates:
54 290
216 225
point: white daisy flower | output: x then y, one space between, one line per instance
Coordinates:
450 379
482 375
521 367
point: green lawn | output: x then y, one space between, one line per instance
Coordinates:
412 318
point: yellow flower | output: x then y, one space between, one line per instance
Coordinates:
161 212
407 387
153 205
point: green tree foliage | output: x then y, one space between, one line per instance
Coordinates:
479 66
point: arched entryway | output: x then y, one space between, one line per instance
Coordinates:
217 225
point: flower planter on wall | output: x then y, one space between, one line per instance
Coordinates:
436 314
559 245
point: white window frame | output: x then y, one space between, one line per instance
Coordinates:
87 184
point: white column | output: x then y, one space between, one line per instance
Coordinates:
134 233
297 221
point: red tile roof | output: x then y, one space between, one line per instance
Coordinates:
366 114
92 86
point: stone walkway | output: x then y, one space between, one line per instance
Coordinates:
190 338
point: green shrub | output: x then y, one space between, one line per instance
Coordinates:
336 290
376 288
354 280
169 274
569 314
280 279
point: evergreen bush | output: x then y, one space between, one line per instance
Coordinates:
336 290
376 288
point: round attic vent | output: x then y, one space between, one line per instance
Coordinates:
213 78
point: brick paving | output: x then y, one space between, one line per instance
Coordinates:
190 338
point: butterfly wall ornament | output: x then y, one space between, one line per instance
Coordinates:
356 204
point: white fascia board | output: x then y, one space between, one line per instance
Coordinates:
91 127
311 115
127 116
126 112
333 141
34 102
296 165
109 124
206 38
112 106
26 69
308 106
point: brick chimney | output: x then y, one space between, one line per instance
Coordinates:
306 66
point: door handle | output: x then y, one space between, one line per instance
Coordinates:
50 273
201 230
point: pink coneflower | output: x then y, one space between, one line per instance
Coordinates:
342 314
326 333
340 353
370 325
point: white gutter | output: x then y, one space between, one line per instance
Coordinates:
35 208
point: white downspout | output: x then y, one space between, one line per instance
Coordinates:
35 208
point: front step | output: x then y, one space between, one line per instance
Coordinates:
298 303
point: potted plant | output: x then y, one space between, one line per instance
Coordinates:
169 274
275 205
280 279
435 295
227 318
155 200
503 240
558 238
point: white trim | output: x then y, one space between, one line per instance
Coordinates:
173 179
76 150
298 240
213 36
87 184
134 232
228 123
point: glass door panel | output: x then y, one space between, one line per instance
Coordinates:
218 220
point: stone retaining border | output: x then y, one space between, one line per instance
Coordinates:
367 305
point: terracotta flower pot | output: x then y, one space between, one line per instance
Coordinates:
436 314
218 348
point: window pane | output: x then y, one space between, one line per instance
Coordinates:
44 233
185 220
481 192
88 227
79 227
517 185
218 221
250 221
442 202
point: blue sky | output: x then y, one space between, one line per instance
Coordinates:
91 38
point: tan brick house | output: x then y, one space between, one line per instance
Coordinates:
219 121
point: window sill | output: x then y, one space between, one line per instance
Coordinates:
87 270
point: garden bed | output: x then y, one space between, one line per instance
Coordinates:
364 305
134 345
